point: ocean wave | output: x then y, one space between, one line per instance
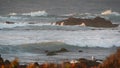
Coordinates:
12 14
106 14
43 15
25 25
21 17
42 26
36 13
41 47
111 15
110 12
90 38
71 14
4 25
47 26
36 47
12 18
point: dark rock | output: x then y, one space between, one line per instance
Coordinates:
62 50
96 22
31 23
80 51
50 53
8 22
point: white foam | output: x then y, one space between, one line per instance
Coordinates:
71 14
36 13
91 38
106 12
12 14
4 25
12 18
110 12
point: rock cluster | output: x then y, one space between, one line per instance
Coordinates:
96 22
51 53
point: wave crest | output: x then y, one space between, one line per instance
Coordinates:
37 13
12 14
110 12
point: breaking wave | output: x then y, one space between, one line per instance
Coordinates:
90 38
111 15
35 47
47 26
36 13
43 15
4 25
23 25
41 47
12 14
110 12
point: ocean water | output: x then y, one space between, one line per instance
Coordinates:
32 33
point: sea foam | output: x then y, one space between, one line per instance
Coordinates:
110 12
36 13
90 38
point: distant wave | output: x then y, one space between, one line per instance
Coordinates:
106 13
12 14
110 12
71 14
6 18
36 13
43 16
35 47
43 26
111 15
4 25
24 25
44 13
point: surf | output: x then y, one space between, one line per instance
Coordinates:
36 13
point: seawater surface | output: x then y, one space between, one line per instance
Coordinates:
30 42
32 33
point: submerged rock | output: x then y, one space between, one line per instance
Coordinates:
50 53
96 22
80 51
8 22
62 50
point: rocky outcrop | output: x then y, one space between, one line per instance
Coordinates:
96 22
50 53
8 22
